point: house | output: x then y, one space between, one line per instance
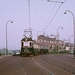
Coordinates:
47 41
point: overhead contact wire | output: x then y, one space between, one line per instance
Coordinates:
54 15
49 16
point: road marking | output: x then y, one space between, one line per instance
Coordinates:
42 67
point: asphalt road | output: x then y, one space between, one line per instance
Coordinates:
10 66
38 65
15 65
57 64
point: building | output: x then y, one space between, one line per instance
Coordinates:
47 41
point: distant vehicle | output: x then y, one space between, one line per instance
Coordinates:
72 51
16 54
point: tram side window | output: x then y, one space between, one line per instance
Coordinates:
22 44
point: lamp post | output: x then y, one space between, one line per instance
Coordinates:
6 37
73 27
70 37
56 1
69 41
58 39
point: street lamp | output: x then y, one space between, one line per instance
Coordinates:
56 1
58 39
74 27
6 37
69 41
70 37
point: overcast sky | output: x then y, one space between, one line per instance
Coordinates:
41 14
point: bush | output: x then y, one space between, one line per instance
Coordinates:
65 51
52 52
0 54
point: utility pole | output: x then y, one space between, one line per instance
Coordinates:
58 41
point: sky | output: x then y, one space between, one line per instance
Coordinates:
41 19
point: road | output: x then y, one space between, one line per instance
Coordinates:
57 64
38 65
14 65
10 66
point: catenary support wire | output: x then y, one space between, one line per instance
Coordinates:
53 16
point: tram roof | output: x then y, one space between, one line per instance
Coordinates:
26 39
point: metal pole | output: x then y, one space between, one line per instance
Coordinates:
69 41
6 37
58 39
73 27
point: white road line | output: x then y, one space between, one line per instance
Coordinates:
43 68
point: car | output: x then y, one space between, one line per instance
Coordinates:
16 54
71 52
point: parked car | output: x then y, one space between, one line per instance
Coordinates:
72 51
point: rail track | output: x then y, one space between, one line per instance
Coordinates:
30 67
42 67
38 65
61 65
22 67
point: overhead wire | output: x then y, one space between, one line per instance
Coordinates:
49 16
54 16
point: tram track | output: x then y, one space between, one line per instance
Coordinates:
42 67
60 65
37 65
49 65
39 70
22 67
